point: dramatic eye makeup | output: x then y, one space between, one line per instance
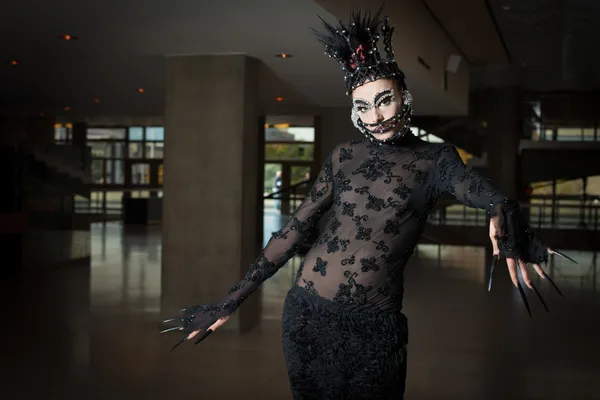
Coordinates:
383 98
361 105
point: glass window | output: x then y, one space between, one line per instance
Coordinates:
117 150
81 204
107 149
161 171
291 151
588 135
432 138
154 150
140 194
140 174
60 133
96 201
572 187
99 149
136 150
115 173
136 133
114 202
155 134
300 173
283 133
98 171
569 134
105 133
593 185
270 171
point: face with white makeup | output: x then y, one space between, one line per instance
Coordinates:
380 108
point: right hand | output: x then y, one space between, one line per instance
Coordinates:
220 322
198 319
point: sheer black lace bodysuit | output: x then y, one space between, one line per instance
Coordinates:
377 198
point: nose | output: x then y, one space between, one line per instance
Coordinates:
378 115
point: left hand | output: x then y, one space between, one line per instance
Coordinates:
513 262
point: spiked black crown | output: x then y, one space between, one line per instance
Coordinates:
354 47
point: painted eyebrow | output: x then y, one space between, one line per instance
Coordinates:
382 94
360 102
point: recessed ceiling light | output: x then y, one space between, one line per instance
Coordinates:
506 8
279 98
140 90
67 37
284 55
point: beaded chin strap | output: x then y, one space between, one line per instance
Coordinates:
404 114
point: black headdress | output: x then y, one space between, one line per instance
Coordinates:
355 48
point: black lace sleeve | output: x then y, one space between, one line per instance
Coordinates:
515 236
466 185
283 245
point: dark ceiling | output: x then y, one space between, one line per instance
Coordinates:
554 44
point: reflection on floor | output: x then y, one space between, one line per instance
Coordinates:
92 333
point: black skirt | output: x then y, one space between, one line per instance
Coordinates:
333 351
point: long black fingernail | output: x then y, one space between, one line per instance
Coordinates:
178 344
208 332
495 259
565 256
524 297
540 297
554 285
175 328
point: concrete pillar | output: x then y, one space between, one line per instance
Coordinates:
212 219
501 109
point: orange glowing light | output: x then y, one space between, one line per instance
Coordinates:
140 90
279 98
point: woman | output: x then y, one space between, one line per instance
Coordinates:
344 335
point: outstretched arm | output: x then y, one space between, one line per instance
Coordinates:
516 240
510 232
282 246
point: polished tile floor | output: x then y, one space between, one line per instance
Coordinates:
92 332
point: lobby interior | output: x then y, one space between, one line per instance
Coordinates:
141 142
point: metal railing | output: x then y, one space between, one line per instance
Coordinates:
293 194
543 212
541 215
